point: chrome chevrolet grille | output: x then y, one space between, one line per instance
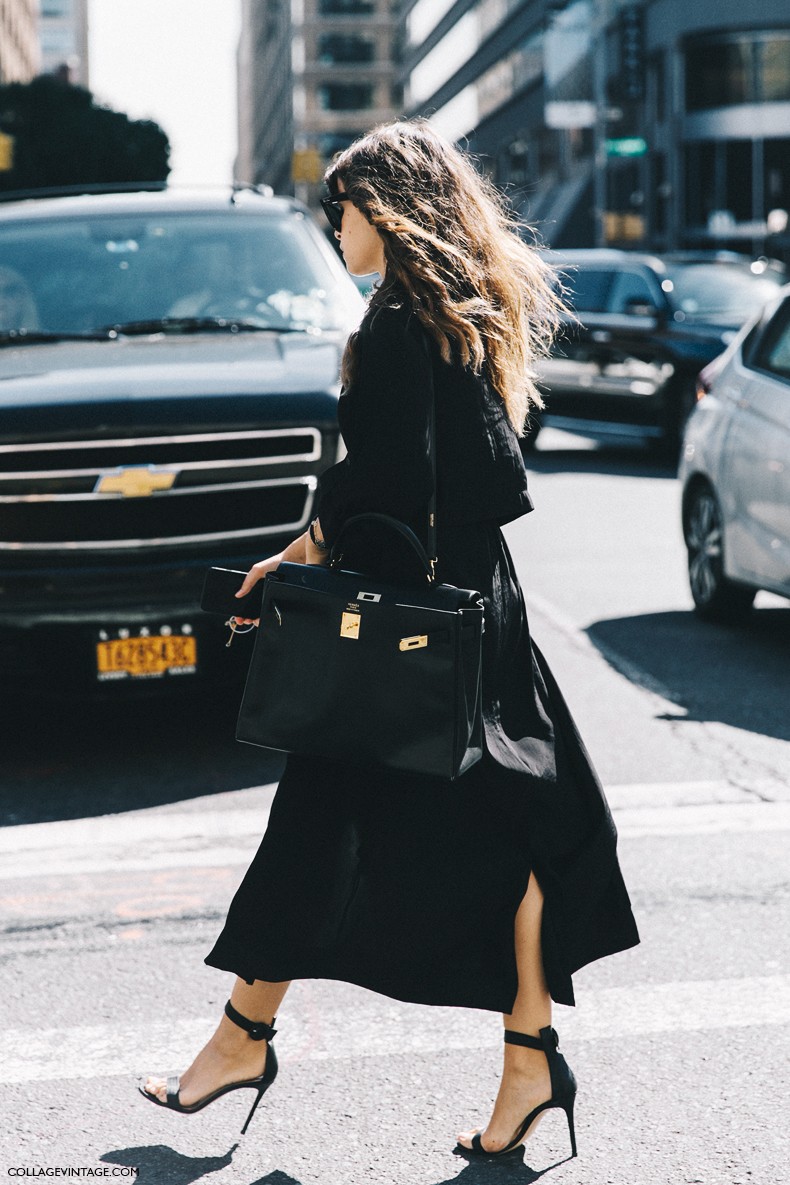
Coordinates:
225 486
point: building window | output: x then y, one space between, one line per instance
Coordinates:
332 143
736 180
338 48
776 182
346 7
345 96
719 75
702 183
57 42
658 191
720 189
727 71
775 70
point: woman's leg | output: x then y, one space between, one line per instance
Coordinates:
525 1077
230 1055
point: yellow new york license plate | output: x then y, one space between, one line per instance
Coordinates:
146 657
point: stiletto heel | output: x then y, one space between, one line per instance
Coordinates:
258 1097
571 1124
258 1031
563 1091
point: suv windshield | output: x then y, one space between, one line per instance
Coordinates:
720 293
80 275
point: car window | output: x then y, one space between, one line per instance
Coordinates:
630 286
719 293
773 351
80 274
587 289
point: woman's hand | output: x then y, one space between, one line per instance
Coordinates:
301 551
256 573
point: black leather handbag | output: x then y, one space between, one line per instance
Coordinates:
350 668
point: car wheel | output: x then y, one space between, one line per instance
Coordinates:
715 597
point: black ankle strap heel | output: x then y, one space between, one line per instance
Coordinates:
563 1090
258 1030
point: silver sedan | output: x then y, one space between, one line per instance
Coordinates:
735 471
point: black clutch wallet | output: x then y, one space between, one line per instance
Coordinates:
218 596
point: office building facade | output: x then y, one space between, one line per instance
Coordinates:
654 124
19 48
313 75
63 33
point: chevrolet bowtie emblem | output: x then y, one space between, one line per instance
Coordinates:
138 481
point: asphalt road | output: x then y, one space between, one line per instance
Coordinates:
127 831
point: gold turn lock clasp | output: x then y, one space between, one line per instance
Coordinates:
349 625
414 643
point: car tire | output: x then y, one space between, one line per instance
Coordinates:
716 598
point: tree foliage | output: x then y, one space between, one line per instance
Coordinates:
61 137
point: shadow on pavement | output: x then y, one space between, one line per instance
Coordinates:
160 1165
492 1172
735 675
72 760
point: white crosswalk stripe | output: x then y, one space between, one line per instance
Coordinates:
155 839
161 838
90 1051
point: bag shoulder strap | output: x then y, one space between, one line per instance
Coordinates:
432 549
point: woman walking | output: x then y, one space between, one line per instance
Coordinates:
486 892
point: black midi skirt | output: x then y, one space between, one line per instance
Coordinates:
409 885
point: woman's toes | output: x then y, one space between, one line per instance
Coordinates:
465 1138
157 1087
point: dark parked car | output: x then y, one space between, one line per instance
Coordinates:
168 393
645 327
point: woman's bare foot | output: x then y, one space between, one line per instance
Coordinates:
230 1056
526 1083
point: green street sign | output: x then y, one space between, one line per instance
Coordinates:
627 146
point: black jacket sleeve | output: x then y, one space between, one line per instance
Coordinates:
386 427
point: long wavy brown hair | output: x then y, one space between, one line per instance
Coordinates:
479 288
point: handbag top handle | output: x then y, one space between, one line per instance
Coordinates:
427 562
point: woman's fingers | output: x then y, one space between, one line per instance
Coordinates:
250 580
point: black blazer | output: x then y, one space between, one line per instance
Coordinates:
385 420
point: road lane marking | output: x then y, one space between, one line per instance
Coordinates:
729 818
640 1010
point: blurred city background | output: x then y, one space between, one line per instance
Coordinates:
653 125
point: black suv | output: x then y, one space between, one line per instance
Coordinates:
168 394
645 326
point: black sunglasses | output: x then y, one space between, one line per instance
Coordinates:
333 209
